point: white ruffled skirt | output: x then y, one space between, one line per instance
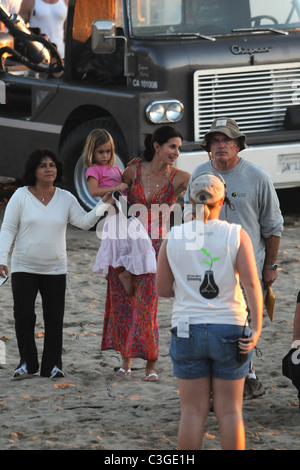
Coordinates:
125 243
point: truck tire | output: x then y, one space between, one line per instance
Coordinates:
70 155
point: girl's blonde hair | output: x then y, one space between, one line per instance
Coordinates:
95 139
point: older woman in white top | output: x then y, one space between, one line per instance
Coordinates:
35 222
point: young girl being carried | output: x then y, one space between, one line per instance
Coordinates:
135 255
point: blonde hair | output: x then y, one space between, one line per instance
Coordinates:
95 139
206 210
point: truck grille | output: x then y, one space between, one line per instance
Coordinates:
256 97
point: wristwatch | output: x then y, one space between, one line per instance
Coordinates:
271 266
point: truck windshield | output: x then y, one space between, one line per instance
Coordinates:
210 17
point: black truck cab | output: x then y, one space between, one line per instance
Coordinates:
133 65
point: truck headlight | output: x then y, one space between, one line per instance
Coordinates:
164 111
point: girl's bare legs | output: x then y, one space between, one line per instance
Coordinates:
195 403
228 408
127 280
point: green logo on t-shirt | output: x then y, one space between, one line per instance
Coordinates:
209 288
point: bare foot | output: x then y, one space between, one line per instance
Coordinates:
126 278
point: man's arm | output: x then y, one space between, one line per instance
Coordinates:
272 247
25 10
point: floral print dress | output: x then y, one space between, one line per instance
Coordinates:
130 322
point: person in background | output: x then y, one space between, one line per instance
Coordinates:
12 7
208 348
296 329
254 202
291 361
49 16
35 223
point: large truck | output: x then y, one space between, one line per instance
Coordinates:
133 65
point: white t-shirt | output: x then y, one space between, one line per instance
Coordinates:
39 232
12 6
207 287
50 18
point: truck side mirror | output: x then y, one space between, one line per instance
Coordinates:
103 37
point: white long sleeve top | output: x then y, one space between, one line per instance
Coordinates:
38 232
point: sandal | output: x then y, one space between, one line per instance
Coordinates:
153 377
123 372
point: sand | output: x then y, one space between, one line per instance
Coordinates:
92 408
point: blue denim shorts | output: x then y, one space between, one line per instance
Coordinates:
210 351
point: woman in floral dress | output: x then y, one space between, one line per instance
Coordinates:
130 323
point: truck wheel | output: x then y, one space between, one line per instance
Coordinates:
70 155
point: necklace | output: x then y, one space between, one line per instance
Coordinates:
157 185
45 198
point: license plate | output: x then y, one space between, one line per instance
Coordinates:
288 163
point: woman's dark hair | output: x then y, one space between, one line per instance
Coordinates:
161 136
34 161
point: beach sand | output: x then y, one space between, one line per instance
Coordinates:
92 408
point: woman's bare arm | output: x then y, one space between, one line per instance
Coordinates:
164 274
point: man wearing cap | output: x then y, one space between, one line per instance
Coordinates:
254 202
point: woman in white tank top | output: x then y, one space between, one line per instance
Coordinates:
209 313
49 16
